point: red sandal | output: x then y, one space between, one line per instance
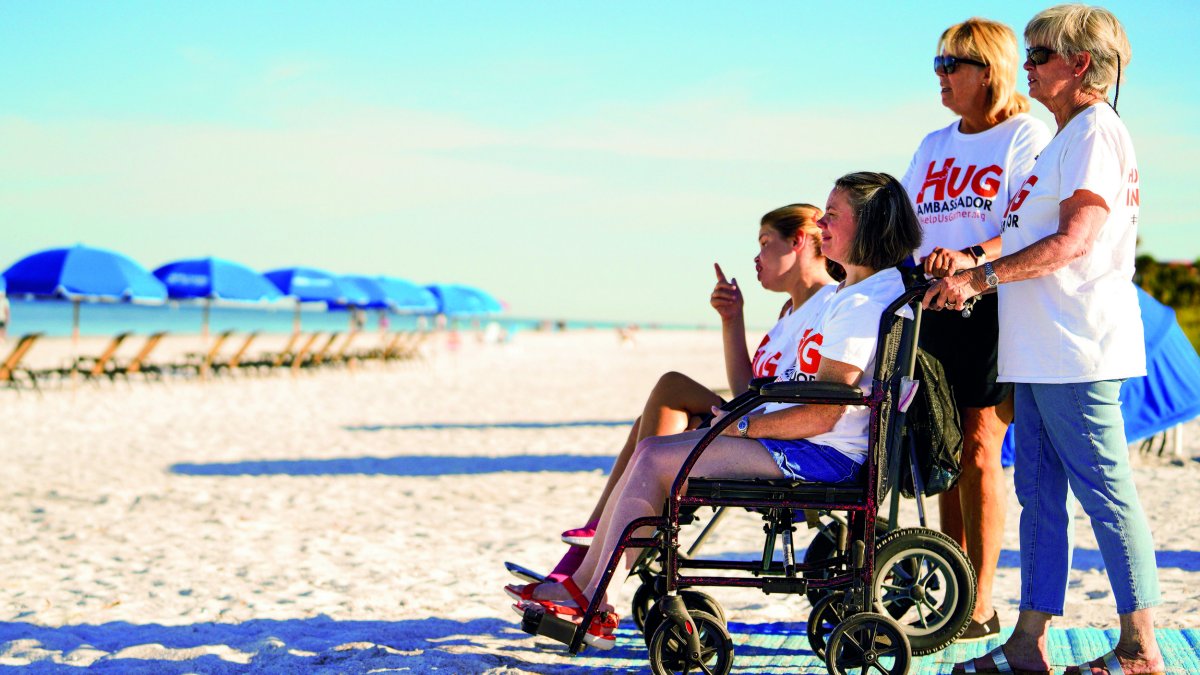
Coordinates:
524 593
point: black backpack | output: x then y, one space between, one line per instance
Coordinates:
933 425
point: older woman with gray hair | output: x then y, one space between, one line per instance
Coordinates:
1069 335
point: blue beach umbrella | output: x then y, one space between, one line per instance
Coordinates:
216 279
487 301
407 297
370 288
78 273
456 301
83 273
308 284
212 279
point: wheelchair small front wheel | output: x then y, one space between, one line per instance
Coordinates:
825 616
693 600
868 643
669 651
924 581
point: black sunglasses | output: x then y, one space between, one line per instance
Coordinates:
1038 55
946 64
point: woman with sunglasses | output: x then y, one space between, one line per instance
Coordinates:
959 181
1070 333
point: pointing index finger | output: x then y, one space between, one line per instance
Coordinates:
720 274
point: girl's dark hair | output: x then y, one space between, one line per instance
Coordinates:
888 229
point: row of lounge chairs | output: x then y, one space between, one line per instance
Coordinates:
227 353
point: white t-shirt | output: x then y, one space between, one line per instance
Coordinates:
776 354
1081 323
960 183
847 330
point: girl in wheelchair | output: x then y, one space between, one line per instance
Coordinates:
868 228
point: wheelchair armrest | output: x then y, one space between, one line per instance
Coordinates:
822 390
755 385
758 383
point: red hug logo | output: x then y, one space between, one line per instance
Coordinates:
808 355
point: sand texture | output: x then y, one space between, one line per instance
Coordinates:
357 520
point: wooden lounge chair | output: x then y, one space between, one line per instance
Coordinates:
92 367
231 364
296 359
202 362
342 355
140 363
319 356
11 366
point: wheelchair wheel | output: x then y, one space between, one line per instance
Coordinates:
824 547
825 616
668 647
643 601
693 600
924 573
866 643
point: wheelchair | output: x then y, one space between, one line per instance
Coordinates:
879 597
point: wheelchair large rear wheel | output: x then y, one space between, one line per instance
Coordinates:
868 643
926 574
668 647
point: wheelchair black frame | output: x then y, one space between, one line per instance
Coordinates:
883 451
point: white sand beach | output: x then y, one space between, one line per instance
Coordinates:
358 520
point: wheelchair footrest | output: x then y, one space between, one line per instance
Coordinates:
537 622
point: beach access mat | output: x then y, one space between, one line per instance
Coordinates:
777 648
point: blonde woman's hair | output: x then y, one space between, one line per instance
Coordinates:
996 45
796 220
1074 29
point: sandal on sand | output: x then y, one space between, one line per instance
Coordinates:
524 594
1000 666
580 536
1108 662
599 635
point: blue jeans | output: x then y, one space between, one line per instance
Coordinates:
1071 439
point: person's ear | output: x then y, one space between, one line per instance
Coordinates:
1080 63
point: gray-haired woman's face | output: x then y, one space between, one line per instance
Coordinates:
1049 79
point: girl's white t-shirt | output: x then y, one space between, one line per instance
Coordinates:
1082 322
776 354
960 183
846 329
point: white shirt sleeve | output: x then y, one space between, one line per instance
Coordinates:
1092 162
850 331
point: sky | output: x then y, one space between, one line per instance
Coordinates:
580 160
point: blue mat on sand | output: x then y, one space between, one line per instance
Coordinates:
778 648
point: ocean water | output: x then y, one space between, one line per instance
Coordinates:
54 318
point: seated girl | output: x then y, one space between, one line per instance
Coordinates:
789 261
868 228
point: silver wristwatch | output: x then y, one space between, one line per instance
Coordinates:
990 275
743 426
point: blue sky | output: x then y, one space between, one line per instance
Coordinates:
580 160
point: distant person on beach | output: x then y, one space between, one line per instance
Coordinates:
1070 333
789 260
868 228
960 179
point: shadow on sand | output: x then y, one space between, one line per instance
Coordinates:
292 646
415 465
486 426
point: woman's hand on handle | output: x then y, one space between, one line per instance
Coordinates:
952 292
726 296
944 262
